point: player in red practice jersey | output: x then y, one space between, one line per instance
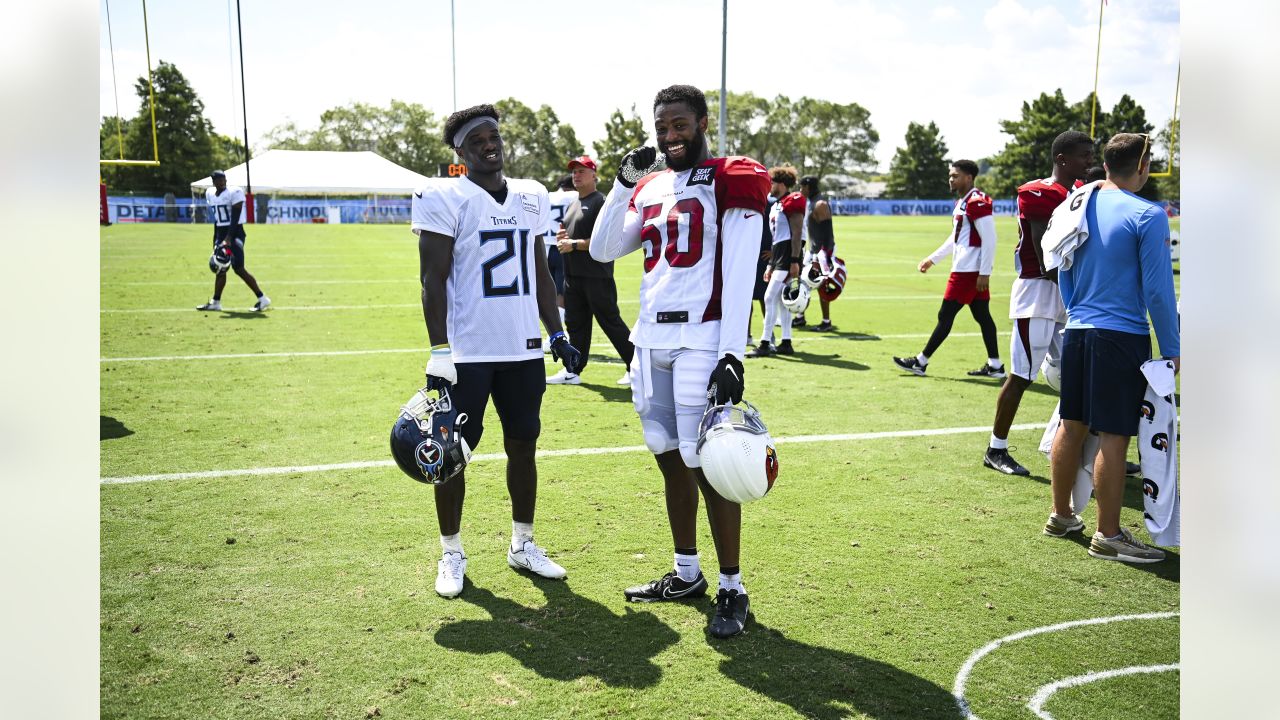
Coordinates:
972 242
698 223
786 218
1035 304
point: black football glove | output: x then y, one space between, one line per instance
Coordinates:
636 164
726 382
564 352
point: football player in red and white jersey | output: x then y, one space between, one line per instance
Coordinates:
786 218
1035 304
699 224
972 241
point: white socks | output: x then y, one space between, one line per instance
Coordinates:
452 544
998 444
520 532
924 359
732 582
995 363
687 567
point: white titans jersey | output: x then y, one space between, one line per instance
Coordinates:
492 286
220 205
560 201
700 231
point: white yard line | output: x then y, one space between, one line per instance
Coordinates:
962 677
1045 692
289 470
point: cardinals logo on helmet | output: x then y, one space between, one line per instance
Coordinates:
770 464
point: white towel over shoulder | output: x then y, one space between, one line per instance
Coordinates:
1068 228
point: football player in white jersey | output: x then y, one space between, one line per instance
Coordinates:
699 224
226 207
485 284
786 221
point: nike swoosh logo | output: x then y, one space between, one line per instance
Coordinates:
419 195
1033 192
748 215
666 593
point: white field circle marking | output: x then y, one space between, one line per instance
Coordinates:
360 465
1044 693
962 677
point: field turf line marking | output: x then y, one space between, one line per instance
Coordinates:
567 452
962 677
385 306
1044 693
327 353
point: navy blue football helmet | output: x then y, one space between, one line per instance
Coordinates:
220 260
426 440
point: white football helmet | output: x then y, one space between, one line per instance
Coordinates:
737 452
795 296
812 275
1052 373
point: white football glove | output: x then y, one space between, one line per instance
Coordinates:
440 370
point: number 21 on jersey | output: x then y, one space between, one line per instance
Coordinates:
506 243
682 244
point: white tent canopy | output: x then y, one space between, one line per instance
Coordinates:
316 172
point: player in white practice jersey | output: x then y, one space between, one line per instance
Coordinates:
698 223
485 285
226 208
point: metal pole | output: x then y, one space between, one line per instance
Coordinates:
248 184
724 96
453 51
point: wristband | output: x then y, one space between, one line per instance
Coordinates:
555 336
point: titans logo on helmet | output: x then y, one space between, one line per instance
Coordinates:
429 457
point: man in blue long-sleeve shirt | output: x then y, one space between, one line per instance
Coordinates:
1118 276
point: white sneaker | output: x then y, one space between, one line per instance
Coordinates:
449 573
564 377
263 303
532 558
625 379
211 306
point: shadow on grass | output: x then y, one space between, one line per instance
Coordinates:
1037 387
611 392
568 638
241 315
1168 569
834 361
819 682
111 428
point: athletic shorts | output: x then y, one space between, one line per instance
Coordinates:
1102 381
1033 339
781 256
669 390
962 287
516 387
221 233
555 263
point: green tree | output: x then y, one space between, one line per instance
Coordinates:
227 151
407 134
919 170
621 134
745 122
535 143
1168 156
185 138
834 138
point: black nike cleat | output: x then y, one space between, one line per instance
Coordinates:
730 615
1001 460
764 349
667 587
824 326
910 364
784 348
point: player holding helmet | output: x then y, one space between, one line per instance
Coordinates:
699 224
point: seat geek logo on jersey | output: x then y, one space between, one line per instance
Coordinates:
702 176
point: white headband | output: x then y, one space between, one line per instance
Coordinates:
472 124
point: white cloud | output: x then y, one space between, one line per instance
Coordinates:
943 13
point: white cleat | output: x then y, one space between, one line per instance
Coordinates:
564 377
532 558
625 379
263 303
449 573
211 306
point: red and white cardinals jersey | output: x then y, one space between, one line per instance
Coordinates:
973 238
1036 202
793 204
700 233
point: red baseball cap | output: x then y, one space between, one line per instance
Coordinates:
585 161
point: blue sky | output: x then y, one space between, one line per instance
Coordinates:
964 66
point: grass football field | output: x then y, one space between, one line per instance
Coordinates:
262 558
